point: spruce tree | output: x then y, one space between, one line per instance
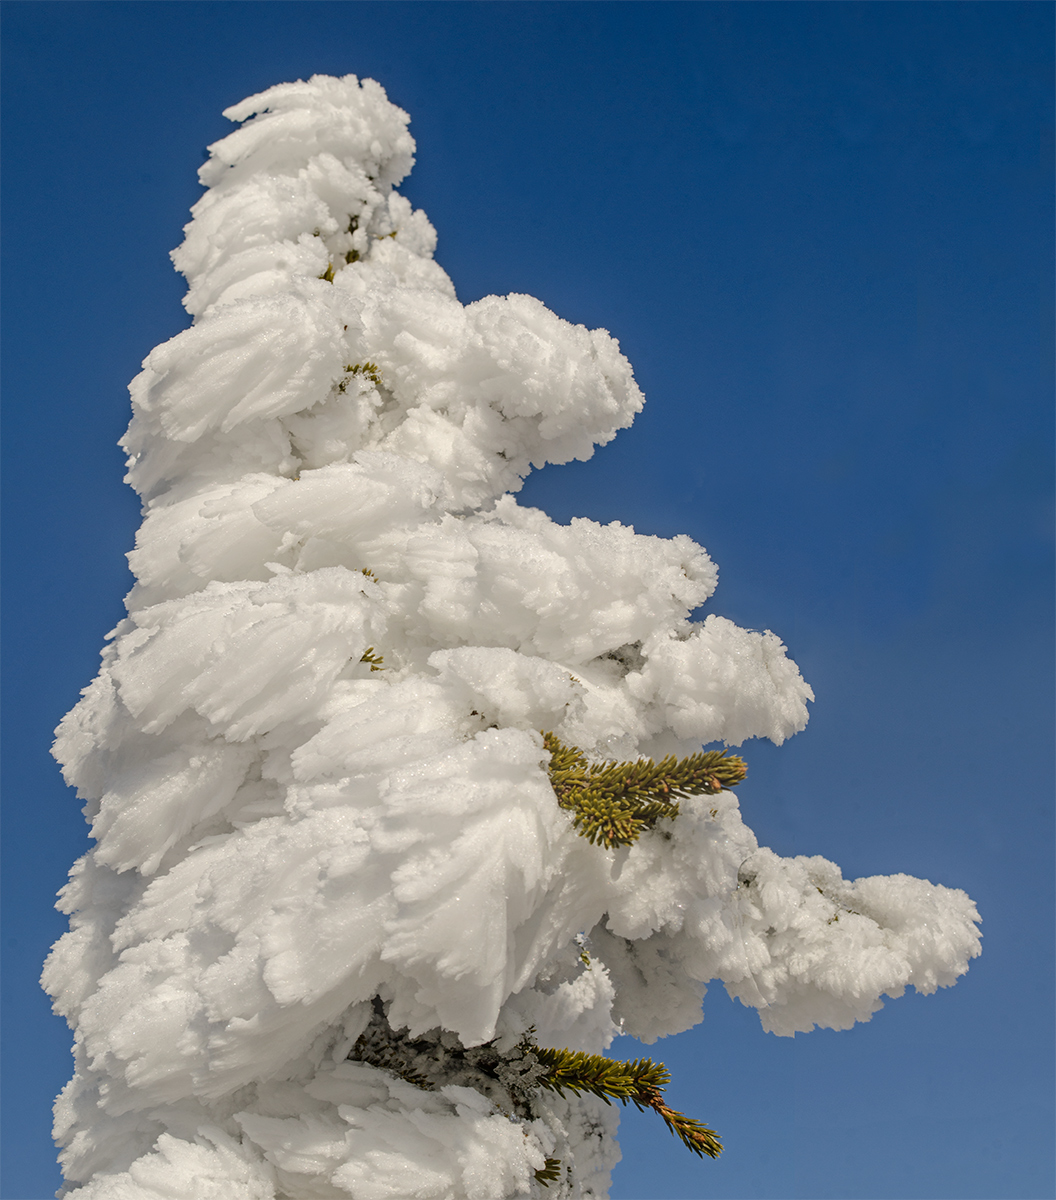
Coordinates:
399 793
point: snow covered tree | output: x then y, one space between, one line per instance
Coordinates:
382 863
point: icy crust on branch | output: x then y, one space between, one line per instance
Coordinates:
312 758
356 1131
292 371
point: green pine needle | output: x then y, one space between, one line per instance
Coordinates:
640 1083
612 803
549 1173
368 370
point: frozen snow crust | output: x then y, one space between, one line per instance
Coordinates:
284 834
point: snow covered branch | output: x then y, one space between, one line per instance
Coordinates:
312 760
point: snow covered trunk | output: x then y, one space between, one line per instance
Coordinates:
333 888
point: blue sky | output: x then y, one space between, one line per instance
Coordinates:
821 233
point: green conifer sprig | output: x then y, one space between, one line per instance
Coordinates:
368 370
612 803
640 1082
550 1172
376 660
512 1076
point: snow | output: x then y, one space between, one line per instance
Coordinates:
287 837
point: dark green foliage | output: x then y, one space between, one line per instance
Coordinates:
368 369
512 1077
550 1173
612 803
375 660
640 1082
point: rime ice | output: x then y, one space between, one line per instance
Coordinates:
287 838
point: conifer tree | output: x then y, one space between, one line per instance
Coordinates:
399 793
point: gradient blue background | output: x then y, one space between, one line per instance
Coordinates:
821 234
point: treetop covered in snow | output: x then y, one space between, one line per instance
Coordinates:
323 807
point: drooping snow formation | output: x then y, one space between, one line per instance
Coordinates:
292 844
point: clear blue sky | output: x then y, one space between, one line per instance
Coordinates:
821 233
